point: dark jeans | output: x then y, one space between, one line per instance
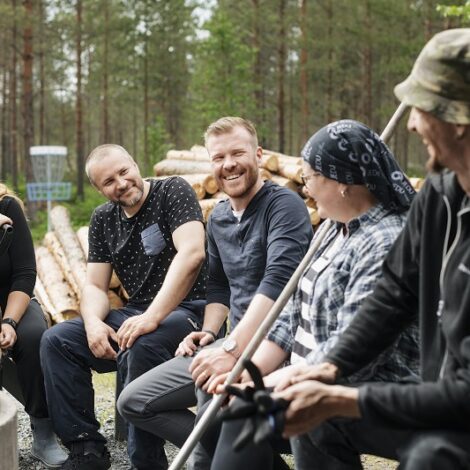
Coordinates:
337 445
25 354
67 362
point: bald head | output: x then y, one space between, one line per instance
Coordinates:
100 153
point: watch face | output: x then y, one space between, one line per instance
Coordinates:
229 345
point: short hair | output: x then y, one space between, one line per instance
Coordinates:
100 152
226 124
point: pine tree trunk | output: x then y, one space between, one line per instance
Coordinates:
367 97
4 163
105 136
304 33
329 84
78 106
28 111
13 104
42 81
281 76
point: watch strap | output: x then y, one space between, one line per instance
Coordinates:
11 322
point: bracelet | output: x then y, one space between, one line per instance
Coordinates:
211 333
11 322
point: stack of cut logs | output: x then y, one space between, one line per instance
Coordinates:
61 268
61 260
194 166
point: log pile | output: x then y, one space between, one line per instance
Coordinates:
61 269
194 165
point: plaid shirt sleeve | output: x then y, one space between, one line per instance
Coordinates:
283 330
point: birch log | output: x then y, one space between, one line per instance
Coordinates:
292 172
201 152
82 235
181 167
207 205
314 217
61 295
188 155
265 174
46 303
283 159
270 162
69 241
285 183
53 245
207 182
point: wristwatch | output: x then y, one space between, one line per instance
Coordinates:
231 346
11 322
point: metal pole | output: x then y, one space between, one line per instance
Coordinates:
392 124
263 329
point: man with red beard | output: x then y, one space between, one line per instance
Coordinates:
152 234
256 239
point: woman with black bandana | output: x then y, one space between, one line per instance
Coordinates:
356 183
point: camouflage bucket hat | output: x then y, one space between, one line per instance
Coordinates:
440 80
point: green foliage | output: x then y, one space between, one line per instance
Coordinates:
459 11
159 142
222 83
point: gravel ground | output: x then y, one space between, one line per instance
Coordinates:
104 406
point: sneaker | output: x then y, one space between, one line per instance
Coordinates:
88 456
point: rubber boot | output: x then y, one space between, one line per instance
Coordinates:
45 447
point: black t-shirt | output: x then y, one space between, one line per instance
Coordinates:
140 248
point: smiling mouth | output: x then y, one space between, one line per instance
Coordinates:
232 177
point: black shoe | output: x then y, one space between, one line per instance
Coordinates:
87 455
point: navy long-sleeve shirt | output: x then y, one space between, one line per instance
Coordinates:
259 253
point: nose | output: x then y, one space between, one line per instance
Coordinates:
229 162
411 124
121 182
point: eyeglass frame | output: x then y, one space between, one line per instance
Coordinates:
305 178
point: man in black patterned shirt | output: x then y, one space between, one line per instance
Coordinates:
151 233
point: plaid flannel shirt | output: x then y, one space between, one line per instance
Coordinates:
339 291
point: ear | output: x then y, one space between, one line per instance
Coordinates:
461 130
259 154
343 190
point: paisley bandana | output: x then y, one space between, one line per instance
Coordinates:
349 152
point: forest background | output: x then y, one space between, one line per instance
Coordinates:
152 74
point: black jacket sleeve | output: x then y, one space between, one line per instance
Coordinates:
443 404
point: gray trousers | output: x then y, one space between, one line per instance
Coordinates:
158 402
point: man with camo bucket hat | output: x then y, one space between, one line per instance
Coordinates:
426 424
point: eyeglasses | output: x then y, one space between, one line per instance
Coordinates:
305 178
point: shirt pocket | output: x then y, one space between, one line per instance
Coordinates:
152 240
